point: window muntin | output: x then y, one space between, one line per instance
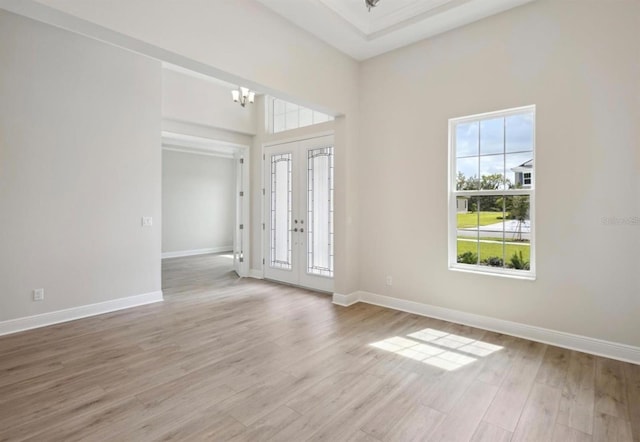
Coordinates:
491 192
286 116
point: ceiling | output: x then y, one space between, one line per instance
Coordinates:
349 27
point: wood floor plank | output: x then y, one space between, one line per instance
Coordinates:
415 425
513 393
463 420
265 428
491 433
539 414
607 428
97 425
611 391
632 378
252 404
214 426
499 362
553 370
400 409
227 358
562 433
578 395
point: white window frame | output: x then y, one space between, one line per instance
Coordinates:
454 193
525 178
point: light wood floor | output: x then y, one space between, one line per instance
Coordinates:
246 360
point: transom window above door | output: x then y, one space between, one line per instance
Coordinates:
284 115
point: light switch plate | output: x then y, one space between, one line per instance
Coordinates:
38 295
147 221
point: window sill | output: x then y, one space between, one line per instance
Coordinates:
528 276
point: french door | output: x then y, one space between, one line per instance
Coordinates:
299 201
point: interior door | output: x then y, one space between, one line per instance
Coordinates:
299 195
239 265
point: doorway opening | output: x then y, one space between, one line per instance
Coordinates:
204 204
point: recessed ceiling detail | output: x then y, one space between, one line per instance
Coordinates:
385 15
348 26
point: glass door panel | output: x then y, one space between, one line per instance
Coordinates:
320 211
281 207
299 194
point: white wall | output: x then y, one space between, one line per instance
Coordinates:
244 38
579 63
198 202
204 102
79 167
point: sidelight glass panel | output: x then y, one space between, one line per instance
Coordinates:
280 256
320 212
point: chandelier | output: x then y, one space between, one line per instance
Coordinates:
243 95
371 4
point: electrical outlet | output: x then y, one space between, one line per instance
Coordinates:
147 221
38 295
389 280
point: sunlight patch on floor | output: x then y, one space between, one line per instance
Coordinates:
440 349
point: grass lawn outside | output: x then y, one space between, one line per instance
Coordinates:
491 249
470 219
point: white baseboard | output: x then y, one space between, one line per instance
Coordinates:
195 252
345 300
256 274
36 321
598 347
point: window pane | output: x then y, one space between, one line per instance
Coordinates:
320 211
467 173
516 165
278 123
306 117
467 230
281 211
518 232
290 107
278 107
467 139
319 117
492 136
492 172
519 133
491 231
292 120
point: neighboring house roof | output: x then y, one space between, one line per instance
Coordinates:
527 166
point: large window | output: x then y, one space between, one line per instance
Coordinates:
491 192
287 116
